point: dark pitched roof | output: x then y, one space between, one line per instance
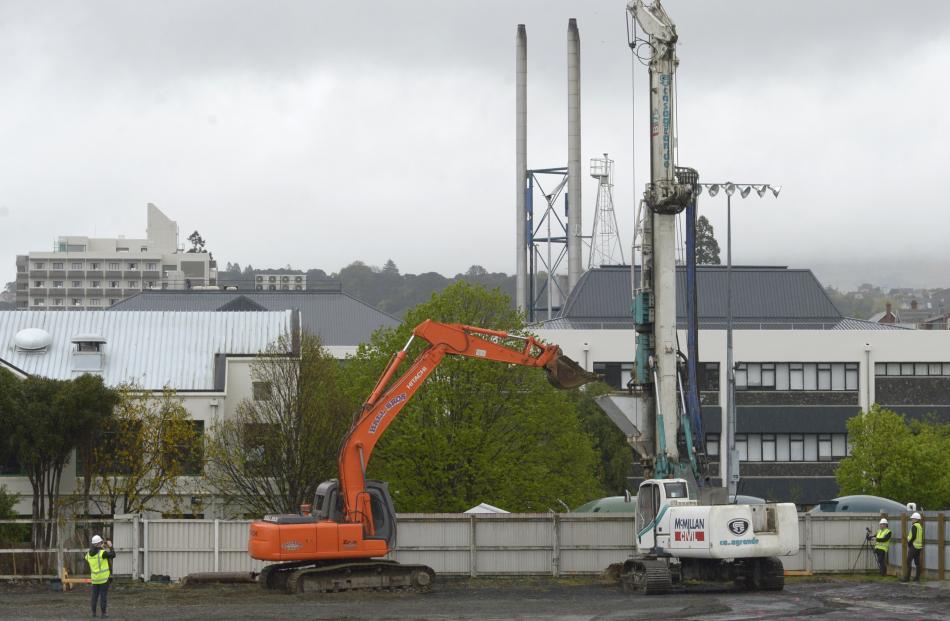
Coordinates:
762 297
241 303
336 317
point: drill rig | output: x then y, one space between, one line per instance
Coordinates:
340 542
686 530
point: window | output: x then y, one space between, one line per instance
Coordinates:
57 284
113 284
121 249
112 301
151 266
150 284
144 249
76 301
919 369
712 444
133 266
262 390
824 447
95 266
95 302
616 374
824 376
57 265
796 376
39 301
75 265
189 454
768 447
57 301
742 446
839 445
133 284
755 447
76 284
39 265
39 283
113 266
811 376
781 447
851 376
811 447
675 490
796 445
95 284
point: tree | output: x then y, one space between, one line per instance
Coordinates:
897 460
478 430
233 268
197 243
143 453
707 248
248 270
45 420
284 441
616 456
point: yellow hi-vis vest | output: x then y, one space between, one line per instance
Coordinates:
917 530
98 567
881 539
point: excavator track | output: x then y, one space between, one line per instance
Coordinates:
650 577
763 574
346 576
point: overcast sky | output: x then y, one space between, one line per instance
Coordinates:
319 133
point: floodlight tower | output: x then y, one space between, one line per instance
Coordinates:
605 248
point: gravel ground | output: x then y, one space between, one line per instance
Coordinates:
495 599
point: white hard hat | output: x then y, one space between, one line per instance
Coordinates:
96 540
883 521
915 516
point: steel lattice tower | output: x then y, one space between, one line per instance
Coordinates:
605 248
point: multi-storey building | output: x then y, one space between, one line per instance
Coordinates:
801 368
87 273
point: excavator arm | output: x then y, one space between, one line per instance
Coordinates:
389 397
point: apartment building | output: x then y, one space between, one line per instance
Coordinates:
87 273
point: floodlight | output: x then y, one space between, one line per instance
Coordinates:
698 189
775 190
760 190
730 188
713 189
745 191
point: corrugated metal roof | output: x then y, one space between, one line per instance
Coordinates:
152 349
337 318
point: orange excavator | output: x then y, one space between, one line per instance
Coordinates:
339 543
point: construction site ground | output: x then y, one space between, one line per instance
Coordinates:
489 599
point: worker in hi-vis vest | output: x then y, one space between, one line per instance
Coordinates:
98 557
915 545
882 539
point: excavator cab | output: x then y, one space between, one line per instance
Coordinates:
328 505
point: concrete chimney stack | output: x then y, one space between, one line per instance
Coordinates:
574 207
521 167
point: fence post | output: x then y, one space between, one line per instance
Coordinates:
145 566
904 569
135 547
217 545
941 545
60 557
808 542
472 547
556 558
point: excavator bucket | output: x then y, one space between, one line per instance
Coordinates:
565 374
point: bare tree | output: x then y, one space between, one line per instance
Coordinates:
284 440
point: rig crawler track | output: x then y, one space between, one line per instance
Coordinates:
347 576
